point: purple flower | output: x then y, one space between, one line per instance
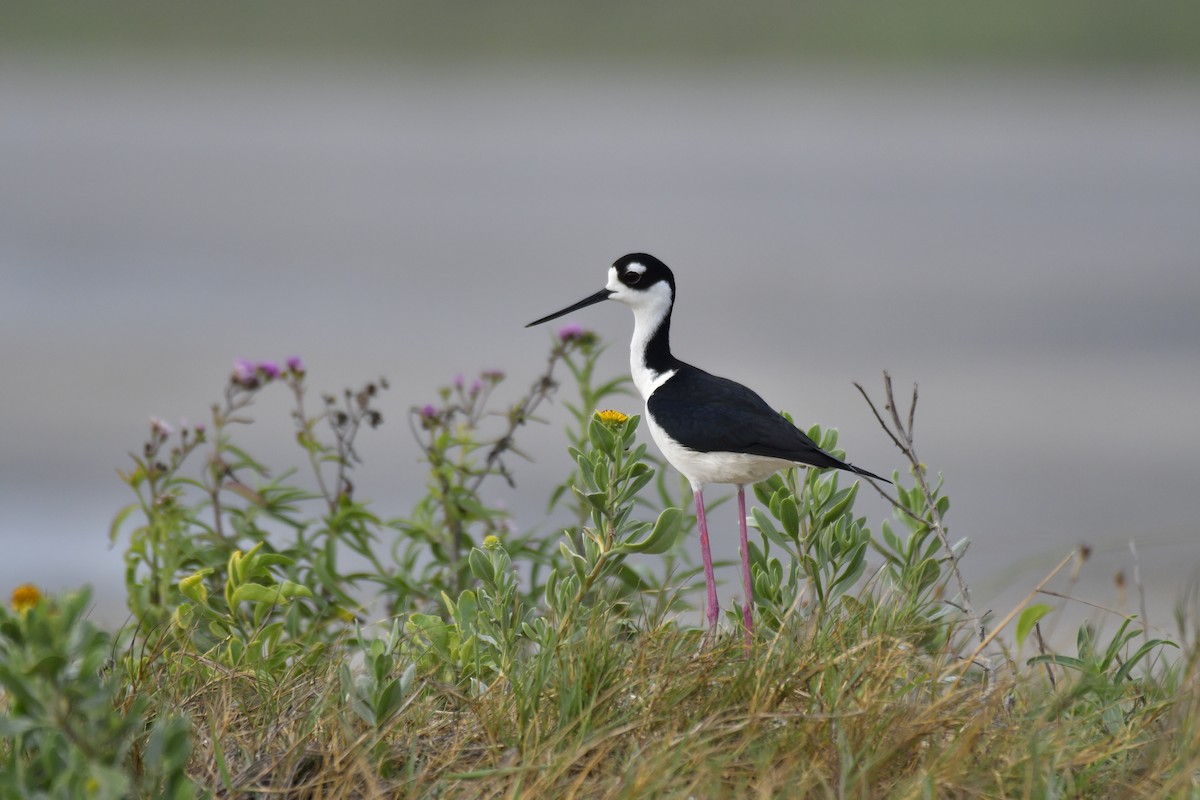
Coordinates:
245 373
295 365
199 428
429 416
570 333
159 428
269 368
458 381
476 387
493 375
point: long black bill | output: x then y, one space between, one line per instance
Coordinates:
603 294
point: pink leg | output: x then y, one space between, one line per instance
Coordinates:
710 580
748 601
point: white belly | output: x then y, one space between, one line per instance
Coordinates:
704 468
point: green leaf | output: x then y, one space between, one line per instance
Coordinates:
1083 640
577 562
1141 653
628 432
1062 661
660 539
851 570
597 500
1030 617
925 573
1118 641
12 727
237 565
114 530
388 701
17 687
481 566
556 495
763 491
257 593
466 609
600 475
49 666
640 476
260 562
434 629
601 437
291 589
789 517
767 528
890 538
839 503
406 679
192 586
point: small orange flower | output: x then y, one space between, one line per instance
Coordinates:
611 418
25 597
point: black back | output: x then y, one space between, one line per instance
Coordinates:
711 414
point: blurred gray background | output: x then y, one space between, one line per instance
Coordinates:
1002 204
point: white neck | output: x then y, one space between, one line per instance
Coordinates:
651 309
647 319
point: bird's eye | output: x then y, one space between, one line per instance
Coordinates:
633 278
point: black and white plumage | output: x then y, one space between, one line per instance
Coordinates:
711 429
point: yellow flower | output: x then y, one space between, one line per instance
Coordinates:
611 418
25 597
491 542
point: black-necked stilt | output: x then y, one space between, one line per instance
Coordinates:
711 429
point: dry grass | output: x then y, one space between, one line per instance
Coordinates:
849 709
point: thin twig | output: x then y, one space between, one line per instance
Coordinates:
1037 629
912 411
541 388
1141 590
305 429
1073 555
903 438
878 416
1146 626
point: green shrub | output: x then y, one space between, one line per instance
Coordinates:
513 664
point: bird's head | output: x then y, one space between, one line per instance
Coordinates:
638 280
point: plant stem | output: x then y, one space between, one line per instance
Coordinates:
903 439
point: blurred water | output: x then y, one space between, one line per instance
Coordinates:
1025 245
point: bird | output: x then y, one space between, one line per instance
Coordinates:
711 429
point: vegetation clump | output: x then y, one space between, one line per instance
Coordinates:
459 658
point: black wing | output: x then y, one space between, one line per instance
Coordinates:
714 414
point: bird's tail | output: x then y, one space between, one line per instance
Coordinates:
822 460
829 462
866 473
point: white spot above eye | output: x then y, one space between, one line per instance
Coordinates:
640 269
